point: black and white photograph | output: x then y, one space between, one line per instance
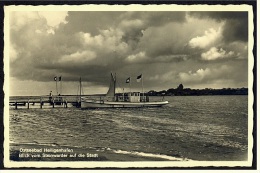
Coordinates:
126 86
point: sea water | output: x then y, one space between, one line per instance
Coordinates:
207 128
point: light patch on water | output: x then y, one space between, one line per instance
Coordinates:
151 155
214 134
99 112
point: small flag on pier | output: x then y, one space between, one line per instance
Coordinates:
139 78
127 80
55 78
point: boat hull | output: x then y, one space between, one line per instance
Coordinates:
108 104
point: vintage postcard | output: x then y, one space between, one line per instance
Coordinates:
128 86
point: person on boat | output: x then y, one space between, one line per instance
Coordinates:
163 94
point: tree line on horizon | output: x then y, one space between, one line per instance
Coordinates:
181 91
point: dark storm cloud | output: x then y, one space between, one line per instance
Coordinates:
236 30
221 15
90 22
134 24
236 26
155 18
166 40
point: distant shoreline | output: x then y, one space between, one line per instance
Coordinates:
177 92
199 92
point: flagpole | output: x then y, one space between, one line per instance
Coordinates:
123 94
56 86
142 87
60 85
130 85
80 87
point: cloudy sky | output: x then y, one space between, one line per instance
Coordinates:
197 49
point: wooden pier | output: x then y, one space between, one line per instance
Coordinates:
53 101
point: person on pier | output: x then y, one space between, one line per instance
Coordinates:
50 98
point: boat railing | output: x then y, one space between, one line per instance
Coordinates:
106 98
120 98
98 99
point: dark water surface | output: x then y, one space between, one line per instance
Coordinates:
204 128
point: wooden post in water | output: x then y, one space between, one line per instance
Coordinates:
41 102
64 103
15 104
28 106
53 103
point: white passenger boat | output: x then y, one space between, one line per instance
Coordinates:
113 100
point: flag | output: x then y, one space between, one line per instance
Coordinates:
60 78
127 80
139 78
55 78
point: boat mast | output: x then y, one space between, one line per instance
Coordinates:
115 85
123 94
60 80
56 85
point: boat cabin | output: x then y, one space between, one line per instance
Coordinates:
134 97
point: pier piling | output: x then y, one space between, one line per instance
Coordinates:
28 104
66 104
41 102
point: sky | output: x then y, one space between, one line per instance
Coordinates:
196 49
